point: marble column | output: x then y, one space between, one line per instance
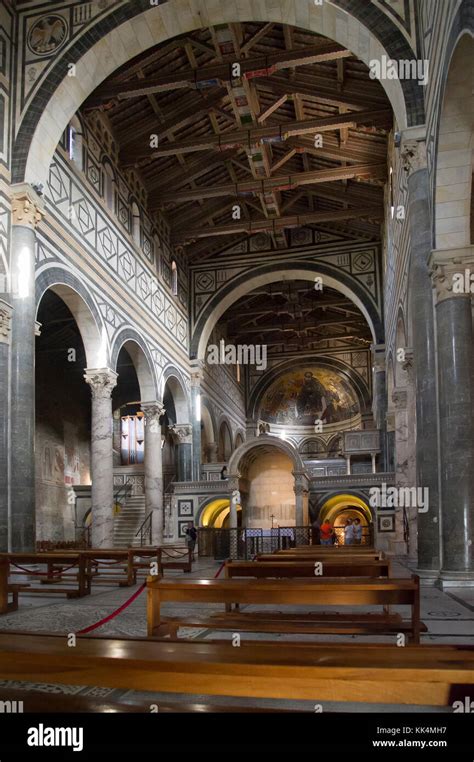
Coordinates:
102 382
301 500
5 329
379 406
153 411
26 214
456 405
197 367
183 437
424 358
212 449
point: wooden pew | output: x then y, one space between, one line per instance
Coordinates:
322 592
424 675
342 558
7 589
60 566
306 568
174 557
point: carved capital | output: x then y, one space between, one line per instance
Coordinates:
452 272
27 207
413 155
378 357
399 399
197 372
102 382
5 322
153 411
182 433
407 363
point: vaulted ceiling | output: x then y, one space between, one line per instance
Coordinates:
237 151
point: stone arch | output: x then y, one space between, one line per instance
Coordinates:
246 282
369 36
239 438
241 455
83 308
173 379
140 355
225 439
312 445
454 227
356 382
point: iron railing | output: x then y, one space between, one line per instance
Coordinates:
145 530
244 544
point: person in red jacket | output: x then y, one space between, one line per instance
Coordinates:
326 533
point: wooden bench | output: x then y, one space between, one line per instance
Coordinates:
59 566
307 568
174 557
341 558
424 675
7 589
294 592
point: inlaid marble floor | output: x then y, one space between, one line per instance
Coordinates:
449 617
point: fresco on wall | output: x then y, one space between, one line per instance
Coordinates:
300 397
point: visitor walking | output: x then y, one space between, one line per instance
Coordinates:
349 533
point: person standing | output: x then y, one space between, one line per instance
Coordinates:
349 533
357 532
326 533
191 537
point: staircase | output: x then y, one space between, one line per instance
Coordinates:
128 521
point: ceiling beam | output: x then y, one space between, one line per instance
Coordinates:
287 182
191 78
319 91
269 225
274 133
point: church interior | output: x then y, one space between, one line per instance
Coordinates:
236 356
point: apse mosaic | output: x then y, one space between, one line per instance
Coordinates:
300 397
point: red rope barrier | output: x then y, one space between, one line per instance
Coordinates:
219 569
42 573
114 613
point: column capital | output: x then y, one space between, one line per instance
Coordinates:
102 382
182 433
27 206
6 311
378 357
452 272
407 363
153 411
197 372
413 152
400 398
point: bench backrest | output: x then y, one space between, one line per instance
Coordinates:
322 591
330 568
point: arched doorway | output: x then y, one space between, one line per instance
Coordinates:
62 414
339 508
273 483
216 514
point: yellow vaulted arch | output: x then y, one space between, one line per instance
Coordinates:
339 503
216 513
